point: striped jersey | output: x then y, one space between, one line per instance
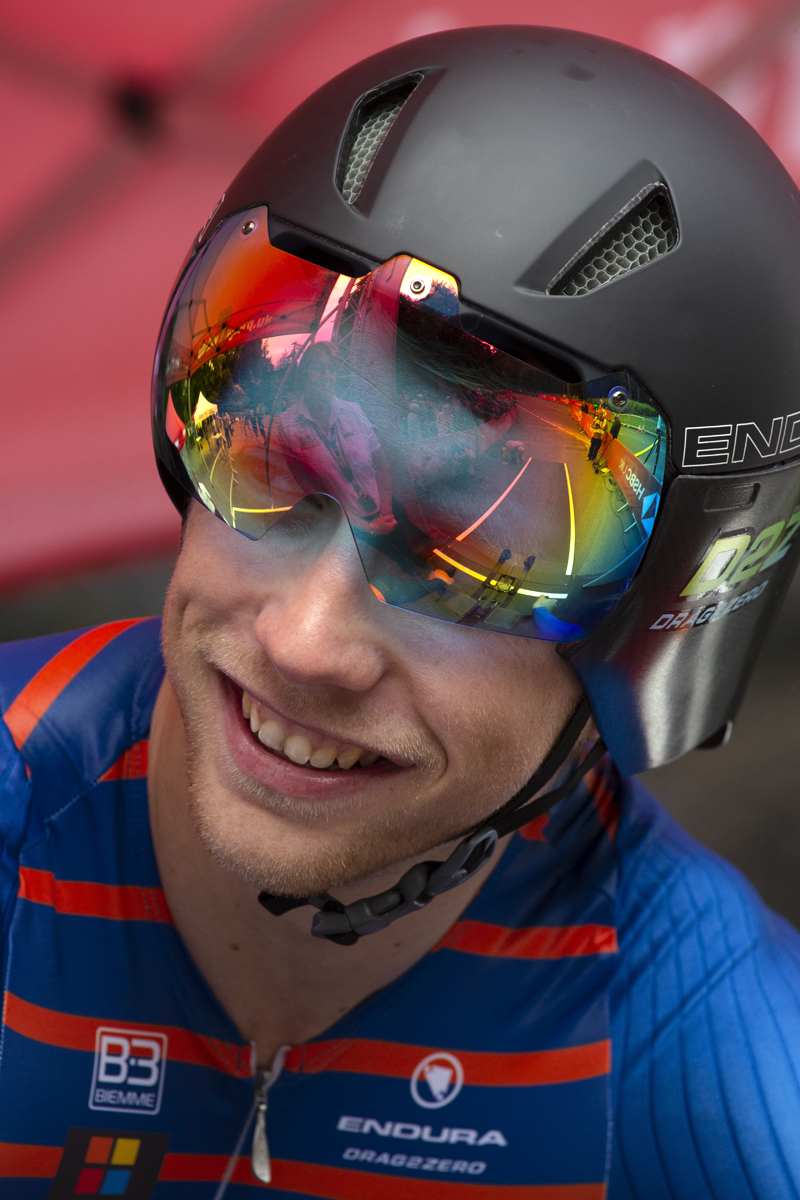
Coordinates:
615 1014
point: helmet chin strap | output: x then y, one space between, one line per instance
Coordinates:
346 923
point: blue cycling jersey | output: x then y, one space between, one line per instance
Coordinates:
615 1014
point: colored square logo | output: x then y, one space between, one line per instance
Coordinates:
105 1162
126 1151
89 1181
128 1073
99 1150
115 1183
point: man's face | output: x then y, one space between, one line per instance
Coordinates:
459 718
320 378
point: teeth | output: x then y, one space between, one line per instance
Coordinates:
271 734
348 758
323 757
297 747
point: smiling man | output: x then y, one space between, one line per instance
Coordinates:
331 882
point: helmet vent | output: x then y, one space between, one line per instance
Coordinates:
643 231
366 133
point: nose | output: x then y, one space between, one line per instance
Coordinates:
318 621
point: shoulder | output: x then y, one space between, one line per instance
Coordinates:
295 412
15 797
675 897
668 878
50 686
347 408
705 1022
353 415
71 704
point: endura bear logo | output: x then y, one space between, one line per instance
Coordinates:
437 1080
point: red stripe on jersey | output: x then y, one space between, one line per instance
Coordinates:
343 1183
130 765
534 830
340 1183
71 1032
365 1056
198 1168
539 941
79 898
47 684
332 1183
18 1161
600 783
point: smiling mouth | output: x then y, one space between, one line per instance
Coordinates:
297 747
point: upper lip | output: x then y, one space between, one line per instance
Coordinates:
325 734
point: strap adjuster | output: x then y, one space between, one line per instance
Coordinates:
346 923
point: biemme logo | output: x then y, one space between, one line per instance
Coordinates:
106 1162
129 1067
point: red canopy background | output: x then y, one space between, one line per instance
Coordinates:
123 123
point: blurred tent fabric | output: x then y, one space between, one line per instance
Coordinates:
123 123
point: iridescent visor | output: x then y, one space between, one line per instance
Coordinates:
480 488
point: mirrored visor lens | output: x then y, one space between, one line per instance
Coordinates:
481 487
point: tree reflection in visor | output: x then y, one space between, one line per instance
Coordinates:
480 487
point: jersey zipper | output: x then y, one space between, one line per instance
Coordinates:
259 1153
260 1162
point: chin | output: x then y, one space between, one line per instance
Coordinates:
270 851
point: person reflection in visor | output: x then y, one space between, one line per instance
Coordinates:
331 446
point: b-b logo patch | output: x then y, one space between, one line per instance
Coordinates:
109 1162
129 1067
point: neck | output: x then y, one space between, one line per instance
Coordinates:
278 984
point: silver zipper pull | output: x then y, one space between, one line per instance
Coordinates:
259 1156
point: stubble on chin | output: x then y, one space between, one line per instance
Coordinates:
267 840
277 844
290 848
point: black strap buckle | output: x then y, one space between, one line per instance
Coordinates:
466 860
346 923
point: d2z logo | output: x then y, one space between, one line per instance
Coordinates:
737 558
109 1162
128 1070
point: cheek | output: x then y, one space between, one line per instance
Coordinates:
209 575
200 595
496 703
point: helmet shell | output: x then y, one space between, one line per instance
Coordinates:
519 145
515 148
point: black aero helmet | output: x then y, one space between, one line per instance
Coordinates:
576 271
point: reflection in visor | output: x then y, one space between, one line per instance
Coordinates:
481 488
